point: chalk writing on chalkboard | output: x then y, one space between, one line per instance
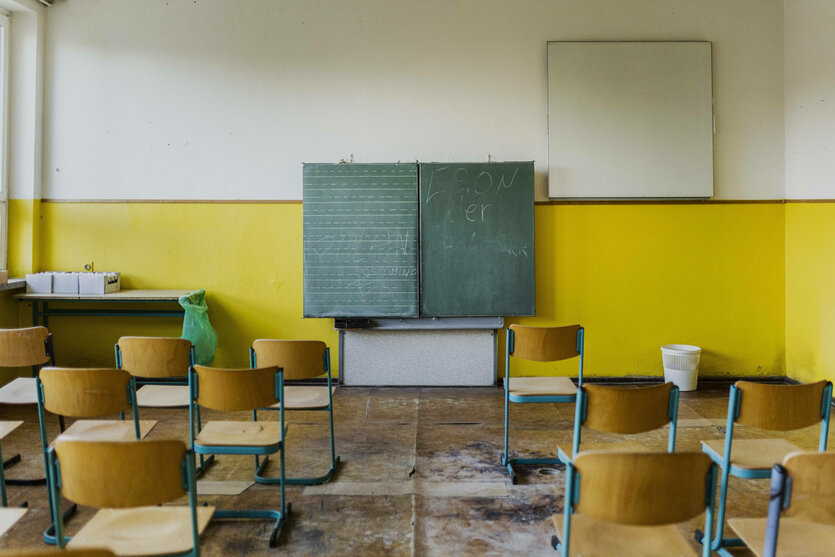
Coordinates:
360 240
477 239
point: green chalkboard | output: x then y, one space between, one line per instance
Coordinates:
477 239
360 229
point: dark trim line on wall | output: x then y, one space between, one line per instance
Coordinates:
662 202
548 202
183 201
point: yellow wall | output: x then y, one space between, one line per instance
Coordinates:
636 276
810 291
639 276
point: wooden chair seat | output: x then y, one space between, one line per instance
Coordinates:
7 427
142 530
8 517
752 454
798 538
162 396
22 390
238 434
542 386
596 538
305 398
615 446
106 430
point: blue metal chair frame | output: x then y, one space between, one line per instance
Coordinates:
279 516
719 543
189 484
3 500
204 462
572 497
49 535
506 461
259 466
581 413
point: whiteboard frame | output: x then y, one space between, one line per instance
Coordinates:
630 119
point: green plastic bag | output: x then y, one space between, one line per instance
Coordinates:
196 327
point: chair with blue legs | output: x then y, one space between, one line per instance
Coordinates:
88 394
300 360
238 390
624 410
627 504
770 407
128 481
540 344
160 366
801 510
26 347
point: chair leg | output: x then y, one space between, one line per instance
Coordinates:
205 462
505 459
279 517
49 535
335 460
204 465
719 543
11 461
508 462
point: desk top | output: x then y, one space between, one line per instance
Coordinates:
120 296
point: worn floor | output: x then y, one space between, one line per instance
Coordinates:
420 474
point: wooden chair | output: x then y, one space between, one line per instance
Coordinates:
626 504
300 360
128 480
87 394
801 509
236 390
160 366
541 344
770 407
30 346
624 410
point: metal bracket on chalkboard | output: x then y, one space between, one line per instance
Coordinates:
351 322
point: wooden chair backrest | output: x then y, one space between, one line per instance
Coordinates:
85 392
813 486
234 390
120 474
23 347
66 552
544 344
780 407
155 356
642 488
621 409
300 359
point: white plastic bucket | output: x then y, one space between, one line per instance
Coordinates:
681 365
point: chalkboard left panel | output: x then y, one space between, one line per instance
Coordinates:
360 240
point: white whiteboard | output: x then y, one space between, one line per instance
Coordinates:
630 119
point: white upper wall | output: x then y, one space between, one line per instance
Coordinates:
25 137
810 99
213 99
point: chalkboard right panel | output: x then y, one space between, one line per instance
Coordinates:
477 239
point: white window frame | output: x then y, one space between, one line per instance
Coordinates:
5 31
